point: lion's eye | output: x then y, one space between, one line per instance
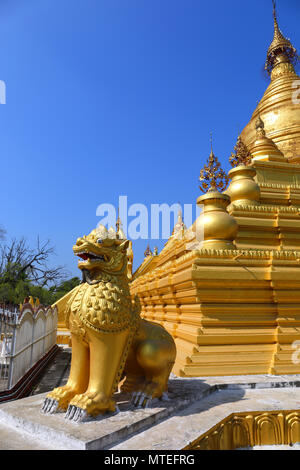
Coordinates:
99 240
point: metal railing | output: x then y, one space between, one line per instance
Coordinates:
25 337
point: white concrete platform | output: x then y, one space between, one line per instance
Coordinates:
194 407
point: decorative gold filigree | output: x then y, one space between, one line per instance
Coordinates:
241 154
212 176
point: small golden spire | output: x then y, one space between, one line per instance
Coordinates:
265 148
241 154
119 232
179 227
281 48
118 221
148 251
212 176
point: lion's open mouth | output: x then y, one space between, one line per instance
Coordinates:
90 256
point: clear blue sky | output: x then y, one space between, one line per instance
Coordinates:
118 97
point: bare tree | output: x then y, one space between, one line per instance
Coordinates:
2 233
19 261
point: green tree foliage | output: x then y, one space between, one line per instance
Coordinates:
63 288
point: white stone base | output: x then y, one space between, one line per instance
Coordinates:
195 406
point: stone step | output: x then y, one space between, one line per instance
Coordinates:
14 439
56 373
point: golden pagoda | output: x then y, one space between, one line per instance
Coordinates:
232 299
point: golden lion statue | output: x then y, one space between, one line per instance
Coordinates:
110 342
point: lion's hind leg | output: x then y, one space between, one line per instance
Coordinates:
154 385
156 357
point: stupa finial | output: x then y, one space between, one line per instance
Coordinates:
211 142
119 231
281 49
274 13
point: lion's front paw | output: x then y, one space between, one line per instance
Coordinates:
59 398
88 404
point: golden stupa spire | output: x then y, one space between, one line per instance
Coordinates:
281 49
119 232
264 148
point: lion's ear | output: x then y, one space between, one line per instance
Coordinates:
124 245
